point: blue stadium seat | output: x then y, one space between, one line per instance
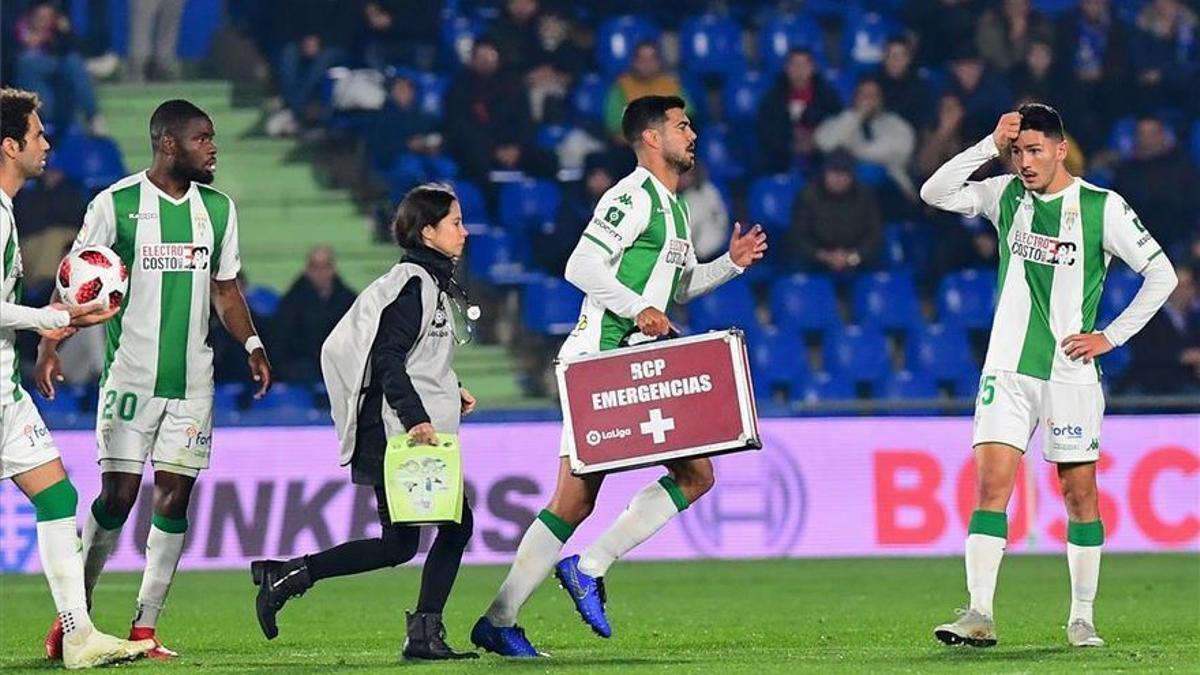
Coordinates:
771 200
843 81
1195 144
1116 363
527 204
711 44
550 306
967 298
1119 288
721 154
493 257
431 91
549 136
894 253
474 208
203 18
616 39
804 302
857 353
886 300
228 396
967 385
907 385
941 352
864 38
730 305
263 300
777 360
1054 7
458 38
91 161
869 173
588 98
741 96
822 386
65 402
783 32
286 396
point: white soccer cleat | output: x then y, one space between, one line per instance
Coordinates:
972 628
1083 634
93 648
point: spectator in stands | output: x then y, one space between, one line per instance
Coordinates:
1034 77
533 46
229 355
871 133
906 93
153 37
836 226
50 64
984 95
790 112
307 313
50 212
708 217
934 19
488 122
645 77
941 140
1166 353
402 128
1092 50
552 244
400 32
1005 33
1165 54
1160 184
317 34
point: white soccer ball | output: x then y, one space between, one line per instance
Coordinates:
90 274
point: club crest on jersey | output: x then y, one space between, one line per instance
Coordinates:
174 258
1070 218
677 252
1043 249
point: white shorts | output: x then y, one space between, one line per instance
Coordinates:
176 434
1011 405
25 441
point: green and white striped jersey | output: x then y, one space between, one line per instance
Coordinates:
641 229
1054 253
10 292
174 249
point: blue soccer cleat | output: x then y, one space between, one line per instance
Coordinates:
502 640
587 592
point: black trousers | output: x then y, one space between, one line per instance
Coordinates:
397 545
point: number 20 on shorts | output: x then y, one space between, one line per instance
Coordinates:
126 405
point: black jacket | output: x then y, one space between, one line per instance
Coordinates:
304 319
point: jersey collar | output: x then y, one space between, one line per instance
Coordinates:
1051 197
187 195
658 184
6 201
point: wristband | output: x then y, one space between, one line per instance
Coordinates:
253 342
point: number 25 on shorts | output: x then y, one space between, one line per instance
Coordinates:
987 390
126 405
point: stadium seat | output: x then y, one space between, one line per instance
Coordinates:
843 80
771 200
721 154
803 302
470 200
940 352
886 300
458 38
263 300
857 353
711 44
741 96
967 385
777 360
493 257
229 396
1195 144
782 33
616 39
203 18
588 97
907 385
864 38
822 386
549 136
894 253
550 306
65 402
730 305
285 396
525 205
91 161
1120 286
431 91
871 174
967 299
1054 7
1115 363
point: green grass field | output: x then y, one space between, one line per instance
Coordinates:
769 616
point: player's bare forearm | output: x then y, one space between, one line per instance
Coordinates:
232 310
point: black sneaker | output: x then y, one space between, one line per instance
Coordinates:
277 582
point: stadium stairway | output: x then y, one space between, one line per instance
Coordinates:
283 211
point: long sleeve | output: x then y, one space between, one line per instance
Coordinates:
700 278
618 220
588 270
399 325
840 131
20 317
948 188
1158 281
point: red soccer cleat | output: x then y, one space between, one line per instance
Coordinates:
54 640
159 653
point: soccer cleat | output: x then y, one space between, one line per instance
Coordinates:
93 648
1083 634
972 628
502 640
54 640
587 593
277 581
159 652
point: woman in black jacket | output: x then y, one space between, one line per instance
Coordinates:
407 387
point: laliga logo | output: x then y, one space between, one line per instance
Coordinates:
594 437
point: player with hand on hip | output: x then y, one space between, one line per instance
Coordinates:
634 259
1057 234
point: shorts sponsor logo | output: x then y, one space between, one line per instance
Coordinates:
198 442
1065 437
594 437
173 258
36 434
1044 250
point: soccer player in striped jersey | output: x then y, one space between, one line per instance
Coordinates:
634 260
28 455
1057 234
178 237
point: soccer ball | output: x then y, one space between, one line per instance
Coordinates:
91 274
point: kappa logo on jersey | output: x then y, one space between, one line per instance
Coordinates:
625 200
174 258
677 252
1045 250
